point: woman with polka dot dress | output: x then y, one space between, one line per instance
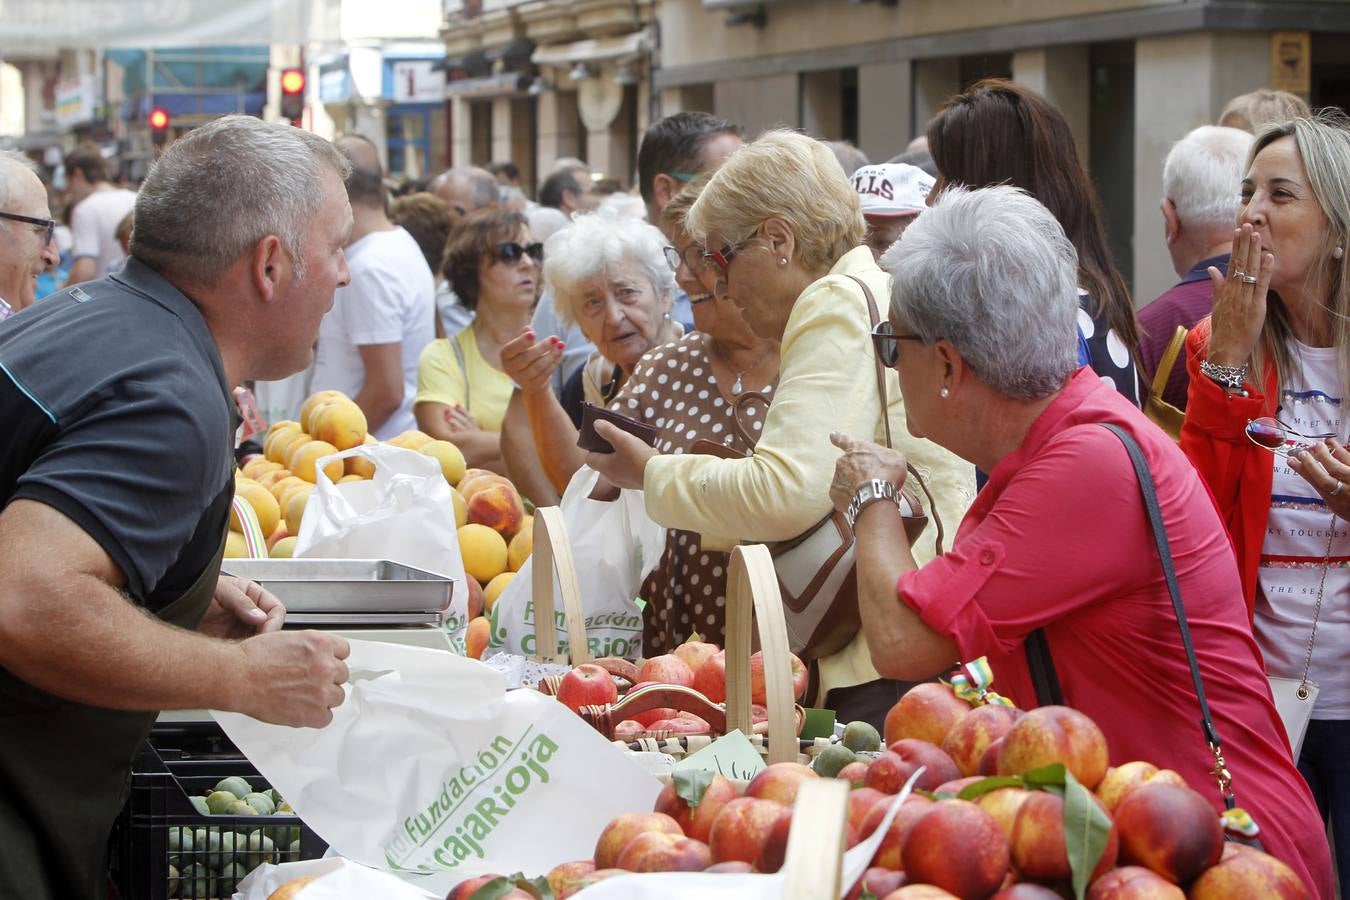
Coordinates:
690 390
999 132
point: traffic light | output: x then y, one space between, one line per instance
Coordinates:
292 94
159 125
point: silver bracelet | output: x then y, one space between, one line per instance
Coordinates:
870 492
1230 377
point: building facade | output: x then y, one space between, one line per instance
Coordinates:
1131 76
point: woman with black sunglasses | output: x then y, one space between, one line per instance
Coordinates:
462 390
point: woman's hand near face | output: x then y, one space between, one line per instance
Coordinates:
1327 468
862 462
531 364
1239 305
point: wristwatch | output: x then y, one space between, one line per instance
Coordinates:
870 492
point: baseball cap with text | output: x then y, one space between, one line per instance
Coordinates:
892 189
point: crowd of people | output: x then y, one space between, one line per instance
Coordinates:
814 338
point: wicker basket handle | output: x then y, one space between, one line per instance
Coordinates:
552 554
815 850
752 590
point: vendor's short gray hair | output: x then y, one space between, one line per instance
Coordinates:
991 271
223 187
596 243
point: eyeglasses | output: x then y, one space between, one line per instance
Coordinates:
48 225
692 257
510 253
684 177
887 343
721 258
1277 437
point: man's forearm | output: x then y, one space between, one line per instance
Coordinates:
83 641
378 404
902 645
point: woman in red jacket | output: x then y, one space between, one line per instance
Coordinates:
1273 363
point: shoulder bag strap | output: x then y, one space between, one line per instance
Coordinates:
1146 487
463 366
1042 666
874 314
1168 361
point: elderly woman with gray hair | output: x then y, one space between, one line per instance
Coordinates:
610 276
1057 554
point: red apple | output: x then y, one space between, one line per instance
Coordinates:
731 866
587 685
653 715
656 851
1003 805
854 773
758 691
971 735
920 892
878 882
623 828
989 761
913 753
1038 850
1055 734
1248 874
774 852
466 888
681 724
1122 779
958 847
629 730
1134 883
719 793
695 652
476 599
927 711
1027 891
568 875
1170 829
666 669
743 827
780 782
860 802
710 678
595 877
888 851
956 787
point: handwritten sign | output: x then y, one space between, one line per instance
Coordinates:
731 755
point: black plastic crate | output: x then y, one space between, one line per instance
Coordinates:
148 842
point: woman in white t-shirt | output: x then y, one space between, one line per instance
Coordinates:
1273 364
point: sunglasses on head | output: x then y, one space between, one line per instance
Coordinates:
510 252
887 343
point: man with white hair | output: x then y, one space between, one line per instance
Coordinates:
27 248
1202 179
116 483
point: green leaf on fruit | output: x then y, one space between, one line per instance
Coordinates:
499 887
690 785
984 786
1052 775
1087 828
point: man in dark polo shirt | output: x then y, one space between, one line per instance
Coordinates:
116 473
1202 180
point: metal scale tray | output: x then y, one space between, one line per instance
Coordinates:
349 592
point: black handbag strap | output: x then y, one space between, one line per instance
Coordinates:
1038 651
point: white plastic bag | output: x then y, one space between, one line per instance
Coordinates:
404 513
431 766
334 879
615 545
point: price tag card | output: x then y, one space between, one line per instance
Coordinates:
731 755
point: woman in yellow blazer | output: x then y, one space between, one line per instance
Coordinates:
783 227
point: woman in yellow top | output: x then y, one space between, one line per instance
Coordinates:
784 228
462 392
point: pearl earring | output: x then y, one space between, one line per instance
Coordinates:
943 393
1338 253
782 260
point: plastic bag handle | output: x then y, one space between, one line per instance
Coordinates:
553 553
752 591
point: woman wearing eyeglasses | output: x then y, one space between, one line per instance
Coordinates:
1058 544
783 231
462 387
1273 364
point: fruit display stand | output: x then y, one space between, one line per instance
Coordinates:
164 847
753 598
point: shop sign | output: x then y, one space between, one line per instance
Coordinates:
75 101
415 81
1291 62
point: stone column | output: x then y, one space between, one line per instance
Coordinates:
1061 75
935 81
1181 82
822 116
758 103
461 132
885 109
557 129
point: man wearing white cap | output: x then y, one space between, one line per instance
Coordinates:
892 196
